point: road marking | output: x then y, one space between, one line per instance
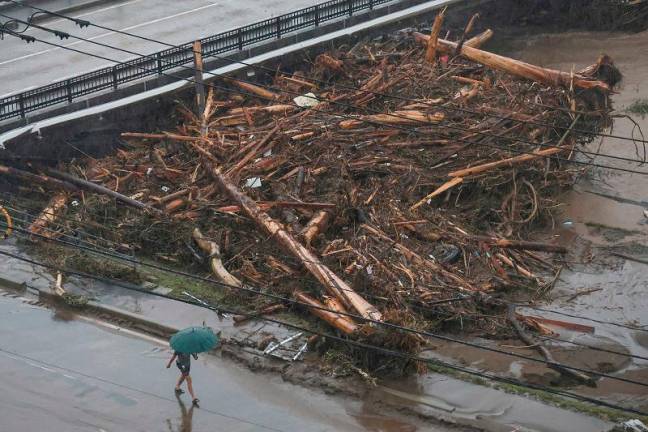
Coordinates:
88 13
108 34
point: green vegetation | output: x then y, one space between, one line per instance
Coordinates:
640 106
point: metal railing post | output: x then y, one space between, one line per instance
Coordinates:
114 77
316 15
278 19
21 104
350 6
158 59
240 39
68 88
371 5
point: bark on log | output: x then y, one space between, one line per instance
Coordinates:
430 53
505 162
48 216
465 34
448 47
522 69
404 117
316 225
254 89
87 185
331 282
340 322
215 261
529 340
37 178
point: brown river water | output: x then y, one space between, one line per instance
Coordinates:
603 213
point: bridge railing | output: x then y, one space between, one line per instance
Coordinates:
66 91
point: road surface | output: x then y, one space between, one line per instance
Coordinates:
68 374
24 66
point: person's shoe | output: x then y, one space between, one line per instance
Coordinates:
179 391
195 402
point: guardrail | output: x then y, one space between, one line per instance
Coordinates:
66 91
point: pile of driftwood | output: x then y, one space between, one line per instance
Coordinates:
399 180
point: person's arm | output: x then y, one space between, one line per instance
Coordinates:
171 360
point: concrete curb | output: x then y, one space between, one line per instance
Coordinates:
138 321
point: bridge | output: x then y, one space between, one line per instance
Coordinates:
65 72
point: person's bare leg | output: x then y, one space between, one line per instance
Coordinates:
180 381
190 388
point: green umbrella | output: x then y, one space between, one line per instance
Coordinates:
194 340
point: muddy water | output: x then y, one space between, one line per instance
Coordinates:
606 208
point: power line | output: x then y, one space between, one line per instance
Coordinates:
358 317
133 389
387 351
82 23
422 307
351 117
342 104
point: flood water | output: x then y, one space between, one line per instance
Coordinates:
605 211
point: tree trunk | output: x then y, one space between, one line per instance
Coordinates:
340 322
331 282
48 216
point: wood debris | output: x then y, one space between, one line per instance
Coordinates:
386 197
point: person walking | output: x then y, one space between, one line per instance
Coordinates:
183 362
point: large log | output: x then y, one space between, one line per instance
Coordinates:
403 117
48 216
522 69
254 89
477 169
331 282
316 225
96 188
212 249
340 322
37 178
430 52
448 47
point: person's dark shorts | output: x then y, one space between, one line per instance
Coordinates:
183 368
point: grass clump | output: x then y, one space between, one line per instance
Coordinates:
640 106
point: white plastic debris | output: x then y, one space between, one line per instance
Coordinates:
268 153
635 426
646 214
369 270
149 170
306 101
165 188
253 182
75 203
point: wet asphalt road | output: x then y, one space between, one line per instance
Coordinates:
24 66
61 373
